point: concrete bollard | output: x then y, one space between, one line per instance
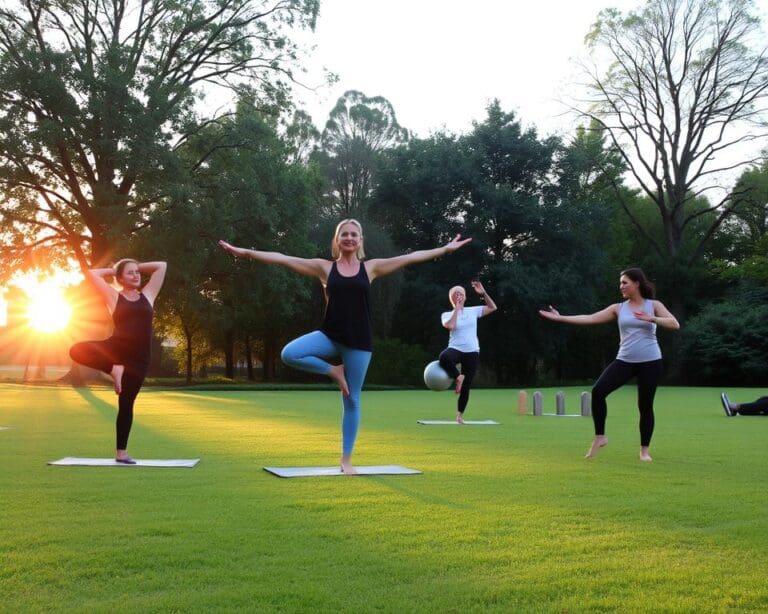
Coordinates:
538 403
560 403
586 404
522 402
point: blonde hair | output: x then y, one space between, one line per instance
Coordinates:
335 252
452 290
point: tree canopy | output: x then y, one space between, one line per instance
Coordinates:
97 96
678 85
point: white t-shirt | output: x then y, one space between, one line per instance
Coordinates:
464 336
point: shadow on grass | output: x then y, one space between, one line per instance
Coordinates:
102 406
417 494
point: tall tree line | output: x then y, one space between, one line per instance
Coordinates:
105 151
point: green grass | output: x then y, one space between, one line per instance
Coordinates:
505 518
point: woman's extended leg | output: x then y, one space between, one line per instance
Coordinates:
355 366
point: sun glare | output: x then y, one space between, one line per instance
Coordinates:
48 310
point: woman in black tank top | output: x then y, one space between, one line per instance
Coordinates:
125 355
346 329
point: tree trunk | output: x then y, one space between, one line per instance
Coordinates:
188 338
249 358
229 355
268 360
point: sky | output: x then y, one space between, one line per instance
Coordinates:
440 62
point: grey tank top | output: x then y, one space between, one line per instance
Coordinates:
638 337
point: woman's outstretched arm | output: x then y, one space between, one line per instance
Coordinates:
599 317
378 267
312 267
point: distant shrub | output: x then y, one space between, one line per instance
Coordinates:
727 343
397 363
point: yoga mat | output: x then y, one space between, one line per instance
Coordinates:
306 472
466 422
111 462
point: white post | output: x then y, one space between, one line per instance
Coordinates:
586 404
538 403
560 403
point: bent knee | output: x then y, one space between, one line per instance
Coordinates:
289 355
75 352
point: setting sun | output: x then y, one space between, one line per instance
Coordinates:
48 310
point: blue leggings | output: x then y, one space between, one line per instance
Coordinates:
308 352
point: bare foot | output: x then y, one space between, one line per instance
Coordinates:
121 456
337 375
600 441
644 455
117 375
346 466
459 383
460 418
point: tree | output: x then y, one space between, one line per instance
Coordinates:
745 237
358 130
508 191
256 195
97 95
728 341
686 80
752 201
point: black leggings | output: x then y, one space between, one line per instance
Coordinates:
102 355
616 375
470 361
756 408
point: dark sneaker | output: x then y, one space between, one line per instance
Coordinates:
726 404
125 461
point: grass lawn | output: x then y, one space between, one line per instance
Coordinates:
507 518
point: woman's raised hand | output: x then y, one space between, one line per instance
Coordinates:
456 243
478 287
550 314
235 251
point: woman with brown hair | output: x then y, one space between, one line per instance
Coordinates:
639 353
125 355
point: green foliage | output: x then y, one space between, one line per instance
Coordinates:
743 241
249 192
727 342
536 241
397 363
97 98
678 55
750 195
358 130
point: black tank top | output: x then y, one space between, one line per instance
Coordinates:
347 315
133 330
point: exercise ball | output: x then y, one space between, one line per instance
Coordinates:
436 378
